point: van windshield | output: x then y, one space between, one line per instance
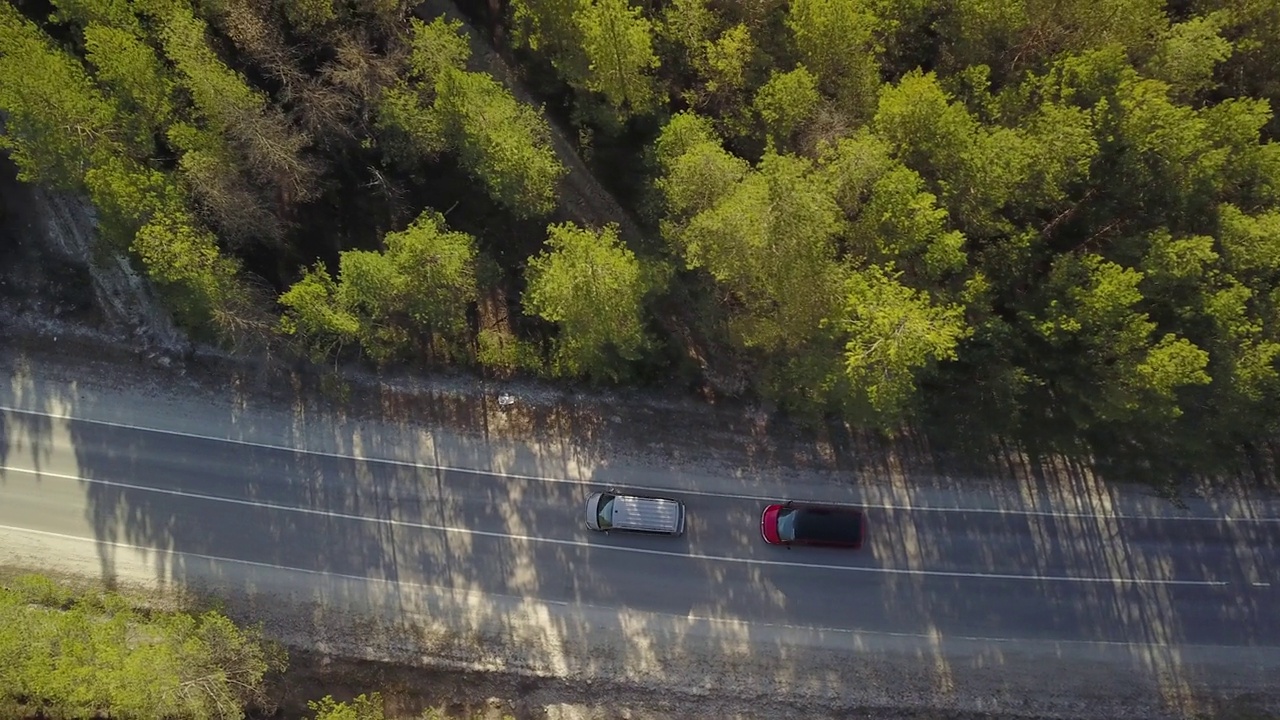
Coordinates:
604 512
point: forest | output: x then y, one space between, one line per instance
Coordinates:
1055 221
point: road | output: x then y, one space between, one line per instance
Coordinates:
944 572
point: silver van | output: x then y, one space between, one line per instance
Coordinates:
607 511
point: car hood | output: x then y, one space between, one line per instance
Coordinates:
769 523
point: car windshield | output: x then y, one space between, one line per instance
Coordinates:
604 512
787 524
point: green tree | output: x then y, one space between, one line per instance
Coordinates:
1250 174
696 169
597 46
418 287
500 141
134 74
372 289
437 47
308 16
931 134
62 130
906 30
1101 358
99 657
786 102
115 14
361 707
1059 148
551 27
435 273
57 121
127 195
901 224
853 165
594 288
1244 338
1176 274
769 240
1169 150
1251 245
686 26
727 60
1159 163
1169 365
1013 37
503 143
892 334
982 32
1253 28
766 238
1188 54
421 284
181 254
315 315
618 42
836 40
981 172
406 127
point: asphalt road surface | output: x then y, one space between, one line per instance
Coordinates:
1162 580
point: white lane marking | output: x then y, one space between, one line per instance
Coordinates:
589 606
1262 584
615 548
644 488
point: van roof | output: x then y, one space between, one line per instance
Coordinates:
643 513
